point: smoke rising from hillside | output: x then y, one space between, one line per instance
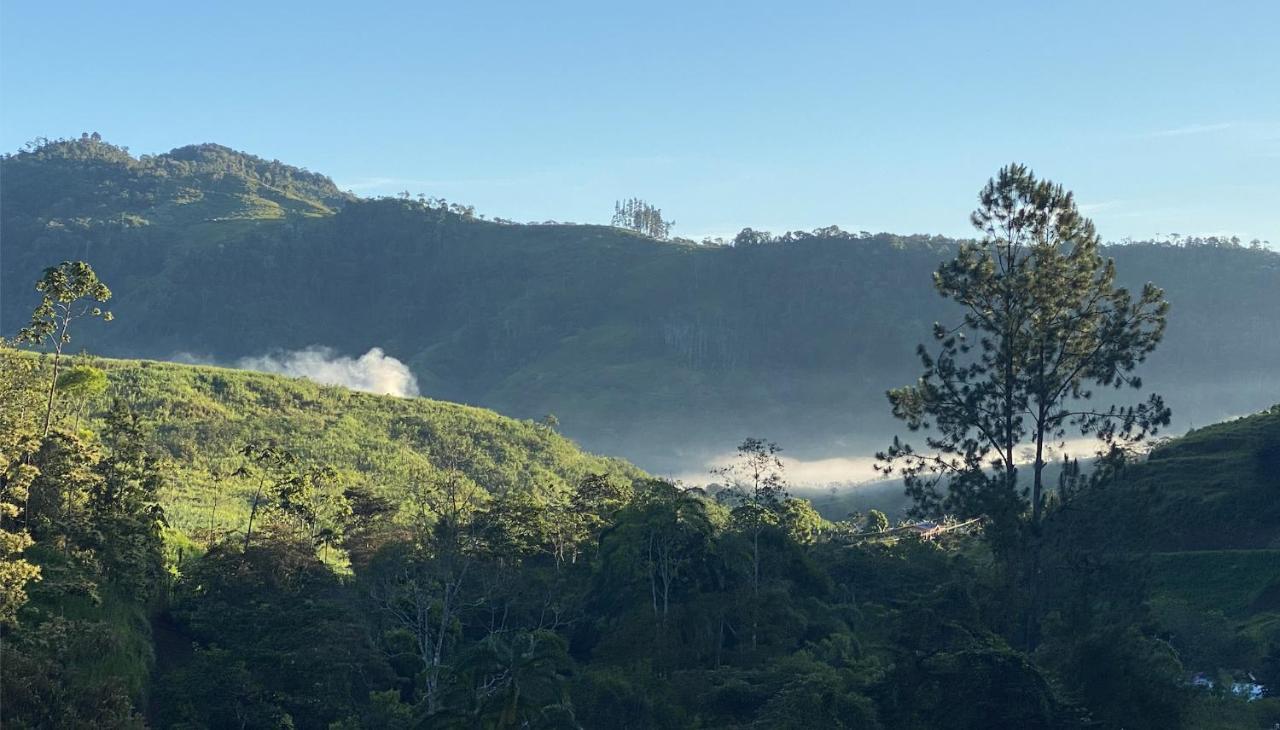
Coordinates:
372 372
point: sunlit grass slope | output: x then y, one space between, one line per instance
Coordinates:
203 416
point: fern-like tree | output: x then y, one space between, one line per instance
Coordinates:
69 291
1044 328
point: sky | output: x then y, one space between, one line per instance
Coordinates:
1163 117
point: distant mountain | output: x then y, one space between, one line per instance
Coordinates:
91 185
665 352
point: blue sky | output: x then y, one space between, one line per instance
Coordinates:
1163 116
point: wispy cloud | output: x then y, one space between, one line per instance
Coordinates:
1193 129
1100 206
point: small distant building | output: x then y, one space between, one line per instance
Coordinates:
1250 690
927 530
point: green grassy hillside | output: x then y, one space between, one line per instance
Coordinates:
1216 487
1237 583
203 416
1210 503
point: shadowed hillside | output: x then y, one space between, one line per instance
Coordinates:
1218 487
665 352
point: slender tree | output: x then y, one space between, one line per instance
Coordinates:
1043 327
123 505
274 469
423 589
758 492
71 290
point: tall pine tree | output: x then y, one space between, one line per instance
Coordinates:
1043 327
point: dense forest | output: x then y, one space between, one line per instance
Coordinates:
198 547
502 579
660 351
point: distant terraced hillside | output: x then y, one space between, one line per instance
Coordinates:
90 185
1209 503
1218 487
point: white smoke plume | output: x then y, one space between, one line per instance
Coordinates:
372 372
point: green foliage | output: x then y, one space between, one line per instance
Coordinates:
499 578
49 679
1104 665
82 381
1235 582
515 680
1128 590
273 638
80 513
1044 324
801 521
18 441
202 418
125 516
876 521
88 184
366 562
80 653
64 290
1213 488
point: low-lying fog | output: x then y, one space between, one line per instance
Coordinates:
837 473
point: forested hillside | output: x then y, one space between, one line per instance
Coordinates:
1216 486
198 547
419 564
655 350
375 444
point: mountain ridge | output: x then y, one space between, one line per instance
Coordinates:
192 183
664 352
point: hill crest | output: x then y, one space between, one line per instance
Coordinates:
88 182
